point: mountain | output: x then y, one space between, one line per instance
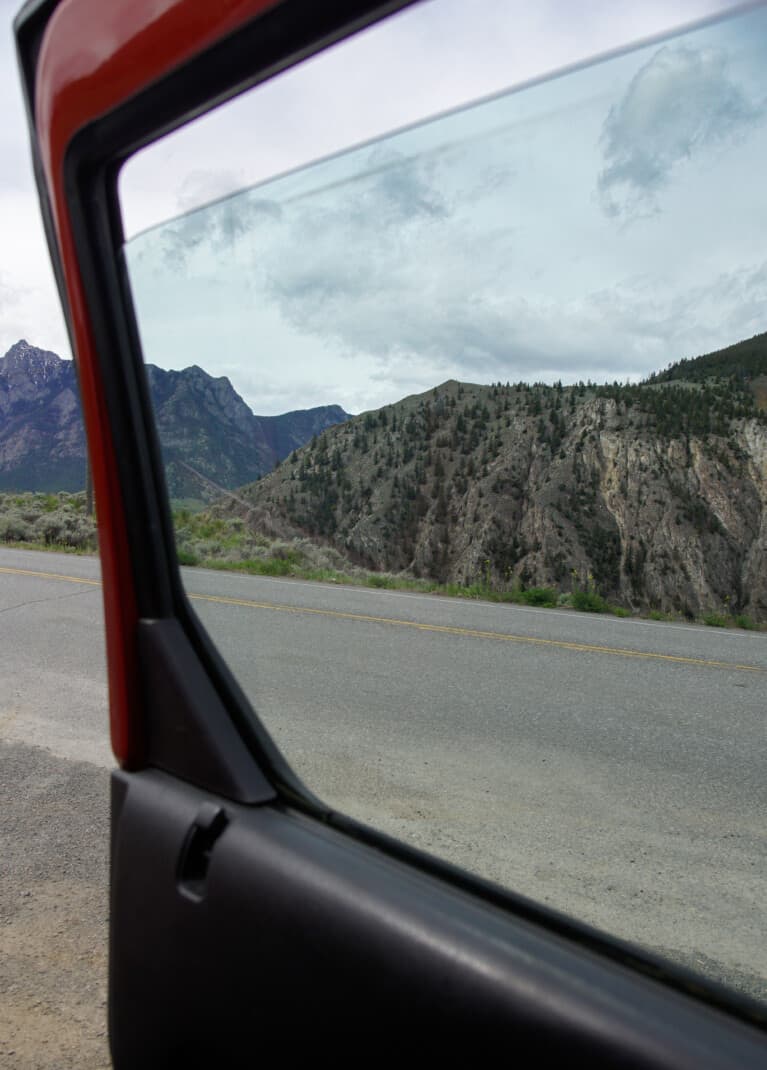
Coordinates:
42 443
210 439
654 494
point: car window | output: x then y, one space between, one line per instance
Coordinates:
465 438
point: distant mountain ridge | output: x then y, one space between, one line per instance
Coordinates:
210 438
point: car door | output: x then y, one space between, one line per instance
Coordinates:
247 916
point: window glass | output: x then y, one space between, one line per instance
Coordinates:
465 435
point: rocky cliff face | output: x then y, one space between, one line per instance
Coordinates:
655 495
209 437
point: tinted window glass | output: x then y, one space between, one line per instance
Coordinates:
488 560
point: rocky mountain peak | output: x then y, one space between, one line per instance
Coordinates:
38 366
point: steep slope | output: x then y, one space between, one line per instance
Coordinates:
655 494
210 439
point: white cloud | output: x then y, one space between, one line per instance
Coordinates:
681 104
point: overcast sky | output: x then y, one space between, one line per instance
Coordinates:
29 305
598 225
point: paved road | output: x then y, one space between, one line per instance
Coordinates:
612 768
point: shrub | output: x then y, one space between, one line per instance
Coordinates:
63 528
13 528
278 566
273 566
539 596
715 620
742 621
379 580
589 602
290 555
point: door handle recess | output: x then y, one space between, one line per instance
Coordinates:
210 822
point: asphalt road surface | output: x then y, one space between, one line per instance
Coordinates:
612 768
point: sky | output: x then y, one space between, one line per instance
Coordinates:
597 225
29 304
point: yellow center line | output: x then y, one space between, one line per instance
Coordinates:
475 633
445 629
49 576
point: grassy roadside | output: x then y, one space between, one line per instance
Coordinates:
583 601
52 548
57 522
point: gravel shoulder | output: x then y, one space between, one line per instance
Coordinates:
53 911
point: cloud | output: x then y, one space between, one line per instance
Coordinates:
680 104
214 228
433 298
402 188
350 256
389 269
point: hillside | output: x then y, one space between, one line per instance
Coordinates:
744 362
209 437
654 494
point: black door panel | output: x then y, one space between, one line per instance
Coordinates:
299 934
